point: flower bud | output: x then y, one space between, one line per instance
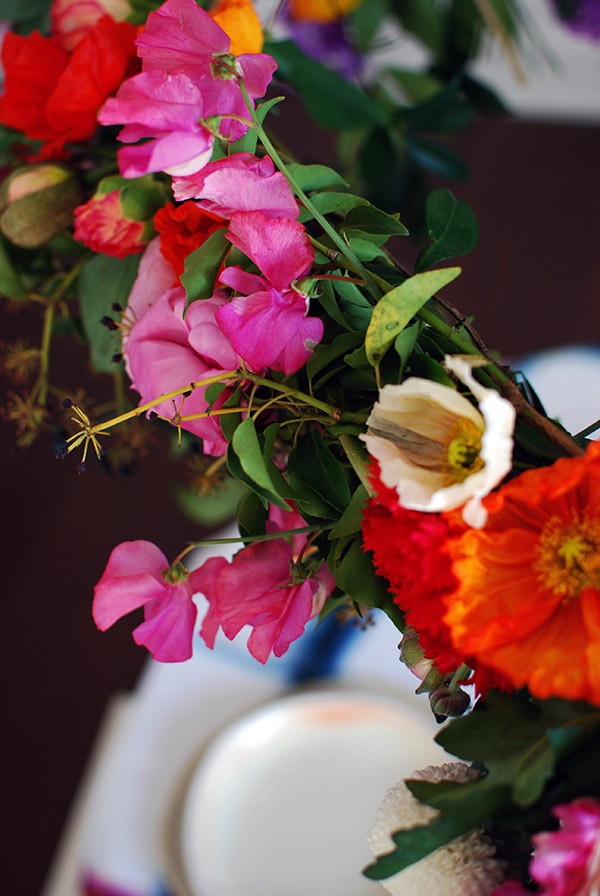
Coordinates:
117 220
447 702
37 203
413 657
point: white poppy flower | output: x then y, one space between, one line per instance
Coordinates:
435 449
464 867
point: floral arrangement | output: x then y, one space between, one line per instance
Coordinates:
379 455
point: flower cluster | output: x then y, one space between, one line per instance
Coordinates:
382 458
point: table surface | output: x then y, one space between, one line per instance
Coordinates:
535 188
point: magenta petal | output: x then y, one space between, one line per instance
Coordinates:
242 281
132 578
168 154
159 102
168 628
240 182
205 581
177 35
280 247
258 69
277 636
270 329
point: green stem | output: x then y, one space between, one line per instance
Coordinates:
252 539
99 428
42 383
358 457
588 430
355 264
461 673
335 413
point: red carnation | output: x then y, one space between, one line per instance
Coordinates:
408 549
182 229
55 97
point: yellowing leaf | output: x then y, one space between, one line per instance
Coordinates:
398 306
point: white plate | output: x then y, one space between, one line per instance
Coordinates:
281 802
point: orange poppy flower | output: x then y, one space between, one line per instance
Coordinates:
528 599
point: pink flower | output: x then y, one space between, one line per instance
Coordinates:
154 277
182 38
72 20
168 109
270 328
511 888
101 225
567 862
165 351
138 575
239 183
262 587
188 77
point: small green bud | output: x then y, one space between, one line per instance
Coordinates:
448 702
37 203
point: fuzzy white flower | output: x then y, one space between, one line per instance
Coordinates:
438 451
464 867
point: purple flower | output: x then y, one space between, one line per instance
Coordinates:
580 16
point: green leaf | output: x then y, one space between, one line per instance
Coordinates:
354 574
213 509
202 266
369 219
104 281
315 177
436 158
356 308
423 19
247 448
11 284
336 203
331 100
350 520
508 737
251 515
452 226
318 479
398 306
472 807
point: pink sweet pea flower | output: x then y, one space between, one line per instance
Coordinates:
239 183
165 351
270 328
262 587
154 277
180 37
168 109
138 575
567 862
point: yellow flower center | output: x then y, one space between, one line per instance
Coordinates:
568 556
464 452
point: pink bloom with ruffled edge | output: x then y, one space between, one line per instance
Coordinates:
239 183
567 862
258 588
269 328
182 38
165 351
138 575
101 225
187 78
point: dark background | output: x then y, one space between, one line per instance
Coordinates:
532 283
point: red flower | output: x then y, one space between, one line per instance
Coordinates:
53 96
410 551
182 229
102 225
